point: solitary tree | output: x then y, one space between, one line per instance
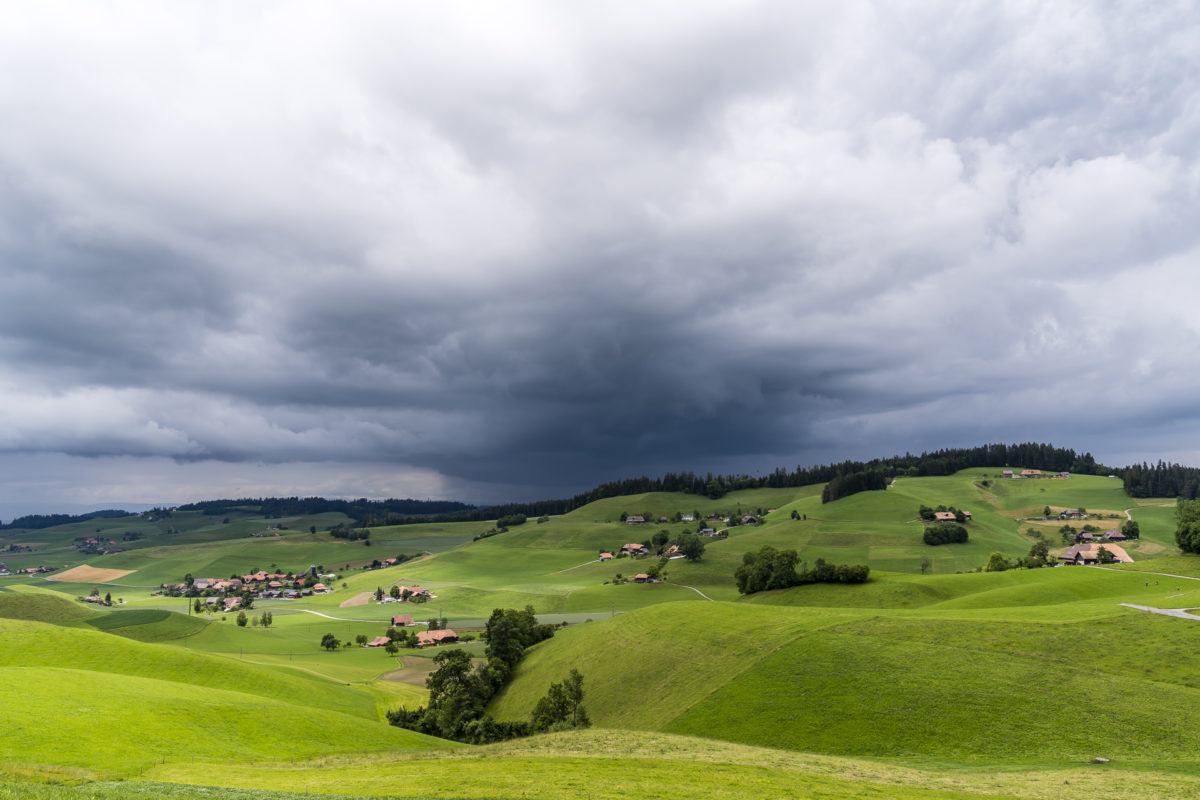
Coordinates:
925 564
330 642
242 619
997 562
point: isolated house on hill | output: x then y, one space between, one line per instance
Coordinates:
606 556
378 641
1008 473
402 620
635 519
944 516
635 549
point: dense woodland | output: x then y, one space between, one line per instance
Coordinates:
1162 480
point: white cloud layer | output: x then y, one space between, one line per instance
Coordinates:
512 250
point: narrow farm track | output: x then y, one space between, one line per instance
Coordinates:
336 619
694 589
1140 572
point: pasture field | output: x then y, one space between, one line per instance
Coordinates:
951 684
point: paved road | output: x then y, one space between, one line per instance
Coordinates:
338 619
1170 612
694 589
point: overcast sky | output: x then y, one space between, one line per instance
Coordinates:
499 251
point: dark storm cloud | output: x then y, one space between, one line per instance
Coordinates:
510 252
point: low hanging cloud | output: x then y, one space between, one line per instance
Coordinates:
509 253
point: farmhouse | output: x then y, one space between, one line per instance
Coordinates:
1008 473
1031 473
436 637
1070 513
390 561
232 603
635 519
402 621
1114 535
606 556
378 641
635 549
705 532
320 588
641 577
1090 554
944 516
687 517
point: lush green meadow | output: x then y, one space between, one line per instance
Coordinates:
950 684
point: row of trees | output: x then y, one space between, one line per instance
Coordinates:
779 569
945 533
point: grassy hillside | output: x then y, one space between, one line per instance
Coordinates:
1000 665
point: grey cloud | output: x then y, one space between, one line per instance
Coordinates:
532 251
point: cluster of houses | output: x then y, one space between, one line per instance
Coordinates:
4 570
406 593
93 545
1034 473
424 638
1111 535
260 584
